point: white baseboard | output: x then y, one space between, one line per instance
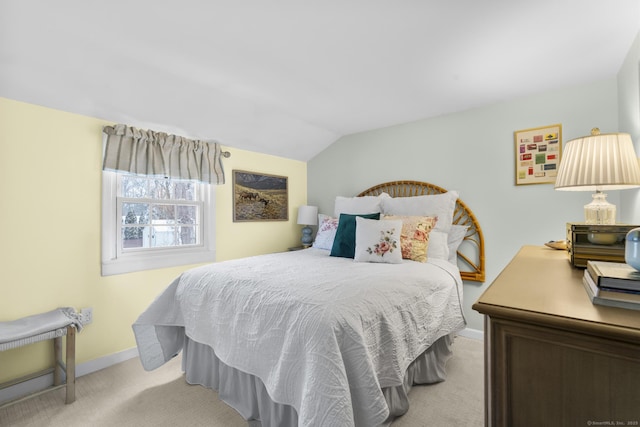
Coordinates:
472 333
42 382
105 361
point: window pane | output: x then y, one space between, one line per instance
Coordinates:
164 213
134 187
161 189
188 235
185 190
187 214
131 237
135 213
163 235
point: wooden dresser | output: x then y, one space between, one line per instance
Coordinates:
552 358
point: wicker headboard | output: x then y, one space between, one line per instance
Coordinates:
471 251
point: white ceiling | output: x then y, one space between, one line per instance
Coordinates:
289 77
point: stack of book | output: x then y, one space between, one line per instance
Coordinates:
612 283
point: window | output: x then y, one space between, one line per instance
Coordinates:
149 221
154 222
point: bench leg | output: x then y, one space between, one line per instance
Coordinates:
57 367
71 365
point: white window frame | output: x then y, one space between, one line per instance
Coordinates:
120 262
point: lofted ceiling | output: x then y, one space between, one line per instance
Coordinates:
289 77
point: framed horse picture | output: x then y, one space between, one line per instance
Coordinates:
260 197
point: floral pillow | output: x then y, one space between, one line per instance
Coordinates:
327 227
414 238
378 241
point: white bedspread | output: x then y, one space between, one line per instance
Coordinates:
324 334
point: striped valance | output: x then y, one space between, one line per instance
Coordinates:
153 153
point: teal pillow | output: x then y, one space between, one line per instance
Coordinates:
344 244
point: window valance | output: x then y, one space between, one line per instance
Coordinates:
156 153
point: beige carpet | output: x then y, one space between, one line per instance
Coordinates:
125 395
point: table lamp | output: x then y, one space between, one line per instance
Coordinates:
307 215
596 163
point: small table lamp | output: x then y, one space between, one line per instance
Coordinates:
596 163
307 215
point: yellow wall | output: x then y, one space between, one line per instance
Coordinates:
50 190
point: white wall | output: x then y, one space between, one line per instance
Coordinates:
629 121
473 152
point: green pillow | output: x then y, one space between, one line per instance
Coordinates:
344 244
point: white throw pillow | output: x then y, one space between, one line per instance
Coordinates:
454 239
358 205
438 246
378 241
445 245
440 205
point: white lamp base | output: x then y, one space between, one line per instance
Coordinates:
599 211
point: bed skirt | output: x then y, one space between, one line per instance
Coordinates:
248 395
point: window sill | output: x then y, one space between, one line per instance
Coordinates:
132 264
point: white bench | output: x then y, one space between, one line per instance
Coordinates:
52 325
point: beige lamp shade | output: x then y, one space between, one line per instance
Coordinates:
599 162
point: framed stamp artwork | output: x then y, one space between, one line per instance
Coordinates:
260 197
538 152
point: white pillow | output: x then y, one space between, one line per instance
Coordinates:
378 241
326 234
445 245
454 239
440 205
438 246
358 205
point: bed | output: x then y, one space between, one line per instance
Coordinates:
318 337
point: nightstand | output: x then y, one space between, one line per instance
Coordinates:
551 356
